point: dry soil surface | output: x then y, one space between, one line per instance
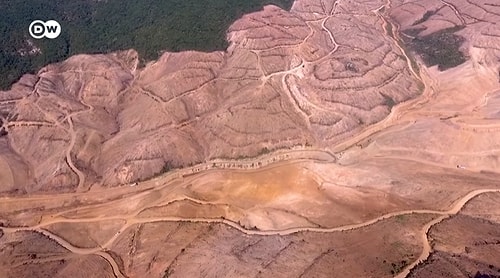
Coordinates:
319 144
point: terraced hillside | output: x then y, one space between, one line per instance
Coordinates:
325 141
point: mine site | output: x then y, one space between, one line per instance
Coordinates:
337 138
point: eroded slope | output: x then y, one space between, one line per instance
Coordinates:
312 76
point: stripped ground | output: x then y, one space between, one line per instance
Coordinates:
219 250
314 76
318 145
467 244
113 230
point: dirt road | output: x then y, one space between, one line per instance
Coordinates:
132 219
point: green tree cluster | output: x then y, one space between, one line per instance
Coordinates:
92 26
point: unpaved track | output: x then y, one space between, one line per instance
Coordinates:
133 220
399 110
426 248
80 174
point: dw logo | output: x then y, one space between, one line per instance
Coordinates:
50 29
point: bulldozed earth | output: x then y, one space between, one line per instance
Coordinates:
336 139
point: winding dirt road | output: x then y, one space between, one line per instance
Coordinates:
133 220
69 160
288 156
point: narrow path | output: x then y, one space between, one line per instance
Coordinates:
455 10
112 263
426 248
80 174
133 220
399 110
83 251
455 209
395 38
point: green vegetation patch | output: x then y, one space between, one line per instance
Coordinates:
101 26
441 48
